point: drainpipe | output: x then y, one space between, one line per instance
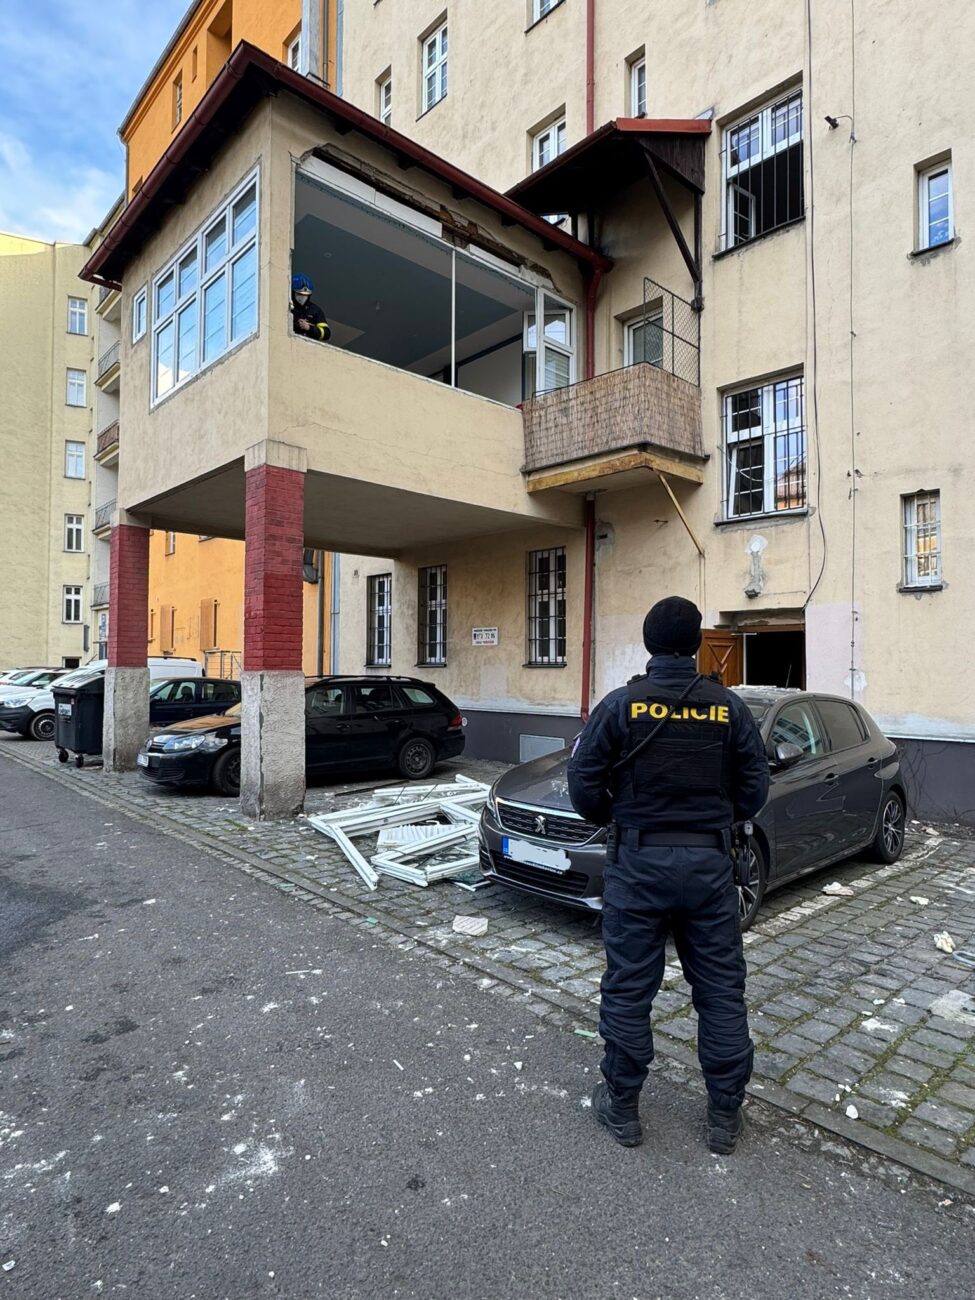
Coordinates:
320 647
590 66
588 607
334 638
593 280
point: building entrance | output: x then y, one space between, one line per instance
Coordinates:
760 657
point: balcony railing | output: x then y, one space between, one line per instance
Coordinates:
103 515
108 359
107 439
103 293
99 594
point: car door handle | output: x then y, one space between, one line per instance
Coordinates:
831 776
343 726
872 762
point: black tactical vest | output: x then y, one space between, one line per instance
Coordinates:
689 758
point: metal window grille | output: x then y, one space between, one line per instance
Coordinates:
922 539
667 334
546 607
380 620
765 449
432 616
762 165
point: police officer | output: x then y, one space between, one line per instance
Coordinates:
307 317
671 803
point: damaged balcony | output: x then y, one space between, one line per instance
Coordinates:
606 432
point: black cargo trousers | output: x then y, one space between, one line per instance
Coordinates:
652 890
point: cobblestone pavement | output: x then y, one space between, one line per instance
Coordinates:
861 1024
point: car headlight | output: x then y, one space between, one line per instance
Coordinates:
491 803
14 701
208 743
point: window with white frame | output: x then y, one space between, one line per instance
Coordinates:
71 605
541 7
922 539
170 543
434 67
379 644
765 449
77 388
638 88
139 314
432 616
74 460
74 532
762 162
935 207
294 51
178 100
557 345
205 300
644 340
384 90
548 143
77 316
546 607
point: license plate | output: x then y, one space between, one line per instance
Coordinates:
535 855
142 760
64 710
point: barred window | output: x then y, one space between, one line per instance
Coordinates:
432 616
922 539
379 647
546 607
762 164
765 449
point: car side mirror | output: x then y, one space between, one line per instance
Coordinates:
787 754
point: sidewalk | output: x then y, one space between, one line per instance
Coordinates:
853 1009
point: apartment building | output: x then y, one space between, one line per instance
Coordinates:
45 426
619 309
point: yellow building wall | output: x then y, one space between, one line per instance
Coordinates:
213 569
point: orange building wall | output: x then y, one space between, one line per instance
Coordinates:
213 32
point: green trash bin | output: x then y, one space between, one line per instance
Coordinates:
78 713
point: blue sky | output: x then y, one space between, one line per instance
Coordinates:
69 69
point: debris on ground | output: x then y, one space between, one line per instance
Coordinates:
852 1112
472 925
920 900
424 833
836 890
966 957
944 942
585 1033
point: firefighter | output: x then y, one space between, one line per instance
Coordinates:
307 316
670 804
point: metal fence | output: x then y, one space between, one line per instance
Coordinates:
103 515
668 334
222 663
99 594
109 358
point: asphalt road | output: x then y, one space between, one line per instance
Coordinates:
209 1090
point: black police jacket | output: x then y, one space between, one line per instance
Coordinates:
319 328
705 769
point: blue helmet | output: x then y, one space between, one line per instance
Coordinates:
301 284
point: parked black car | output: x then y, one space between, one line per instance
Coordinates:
836 791
351 724
176 699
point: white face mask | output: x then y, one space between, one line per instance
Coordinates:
302 298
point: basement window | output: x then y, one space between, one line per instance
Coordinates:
762 164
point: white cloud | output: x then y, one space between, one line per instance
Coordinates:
51 203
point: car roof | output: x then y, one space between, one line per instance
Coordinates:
353 679
775 694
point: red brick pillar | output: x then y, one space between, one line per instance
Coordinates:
272 780
126 723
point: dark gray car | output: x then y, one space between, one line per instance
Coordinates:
836 790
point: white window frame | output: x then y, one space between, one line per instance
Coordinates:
924 204
548 143
385 93
434 68
78 308
913 578
206 277
170 542
177 99
140 307
74 449
70 604
760 124
78 381
629 338
379 620
294 52
549 340
767 431
74 531
638 87
542 7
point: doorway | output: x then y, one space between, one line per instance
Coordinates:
775 658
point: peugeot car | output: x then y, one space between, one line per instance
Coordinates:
836 790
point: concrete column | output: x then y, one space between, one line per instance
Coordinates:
126 723
272 771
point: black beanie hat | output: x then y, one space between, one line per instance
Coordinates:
673 627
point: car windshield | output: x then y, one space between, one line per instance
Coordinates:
757 708
21 679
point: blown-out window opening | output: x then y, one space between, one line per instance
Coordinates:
765 449
762 165
432 616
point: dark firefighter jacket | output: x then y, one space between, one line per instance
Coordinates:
311 312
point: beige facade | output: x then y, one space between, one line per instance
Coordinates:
45 486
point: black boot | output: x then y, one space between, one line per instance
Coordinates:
724 1129
620 1113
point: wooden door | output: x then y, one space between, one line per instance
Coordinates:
722 653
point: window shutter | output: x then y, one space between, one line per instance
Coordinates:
166 623
208 624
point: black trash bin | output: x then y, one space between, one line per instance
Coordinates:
78 712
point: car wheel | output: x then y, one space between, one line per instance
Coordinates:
41 727
416 759
888 843
750 896
225 777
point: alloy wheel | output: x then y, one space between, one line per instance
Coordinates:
893 826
